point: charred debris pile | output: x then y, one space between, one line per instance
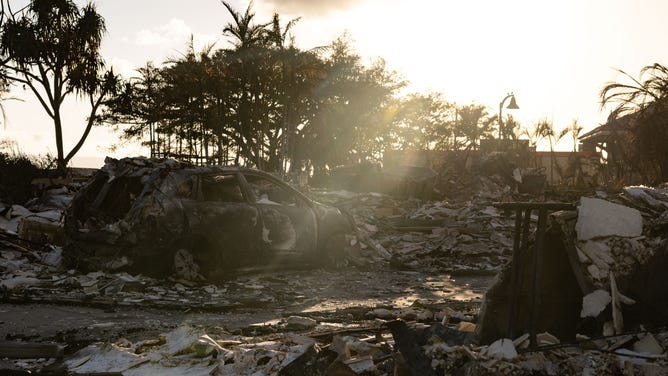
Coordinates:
601 310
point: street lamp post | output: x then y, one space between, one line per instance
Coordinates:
511 106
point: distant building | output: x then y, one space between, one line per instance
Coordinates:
612 142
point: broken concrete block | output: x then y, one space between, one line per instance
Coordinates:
598 218
14 282
361 365
425 316
381 313
594 303
649 345
502 349
203 348
537 364
599 254
101 359
594 271
298 322
18 211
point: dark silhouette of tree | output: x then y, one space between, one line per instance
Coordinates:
423 122
219 111
264 102
346 114
138 108
299 73
644 102
544 129
186 97
247 59
512 127
574 169
574 130
472 124
54 51
5 12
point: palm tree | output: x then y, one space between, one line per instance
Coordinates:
473 123
138 107
574 168
246 33
637 95
644 101
247 38
574 130
545 130
287 60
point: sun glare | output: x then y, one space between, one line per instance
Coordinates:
476 52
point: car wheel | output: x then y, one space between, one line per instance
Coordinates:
335 251
186 267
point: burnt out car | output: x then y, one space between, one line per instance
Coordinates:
162 216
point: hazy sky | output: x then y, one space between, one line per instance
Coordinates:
554 55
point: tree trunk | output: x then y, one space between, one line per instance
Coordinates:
61 163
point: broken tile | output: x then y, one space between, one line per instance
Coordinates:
14 282
361 365
597 218
599 253
594 271
648 344
103 359
502 349
594 303
300 323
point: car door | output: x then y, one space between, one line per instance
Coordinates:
288 221
226 231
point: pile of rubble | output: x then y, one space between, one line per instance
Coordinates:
619 243
299 345
432 236
621 246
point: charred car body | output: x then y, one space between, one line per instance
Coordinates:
160 216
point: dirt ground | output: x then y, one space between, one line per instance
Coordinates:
340 296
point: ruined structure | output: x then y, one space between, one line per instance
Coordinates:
159 216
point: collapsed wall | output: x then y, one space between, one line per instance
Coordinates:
602 272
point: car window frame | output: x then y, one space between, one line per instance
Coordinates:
200 183
250 196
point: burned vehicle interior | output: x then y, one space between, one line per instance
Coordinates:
159 217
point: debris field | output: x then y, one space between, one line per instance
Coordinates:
426 287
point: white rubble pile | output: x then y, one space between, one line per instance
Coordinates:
190 351
614 239
429 236
600 218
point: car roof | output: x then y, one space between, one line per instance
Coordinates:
141 163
